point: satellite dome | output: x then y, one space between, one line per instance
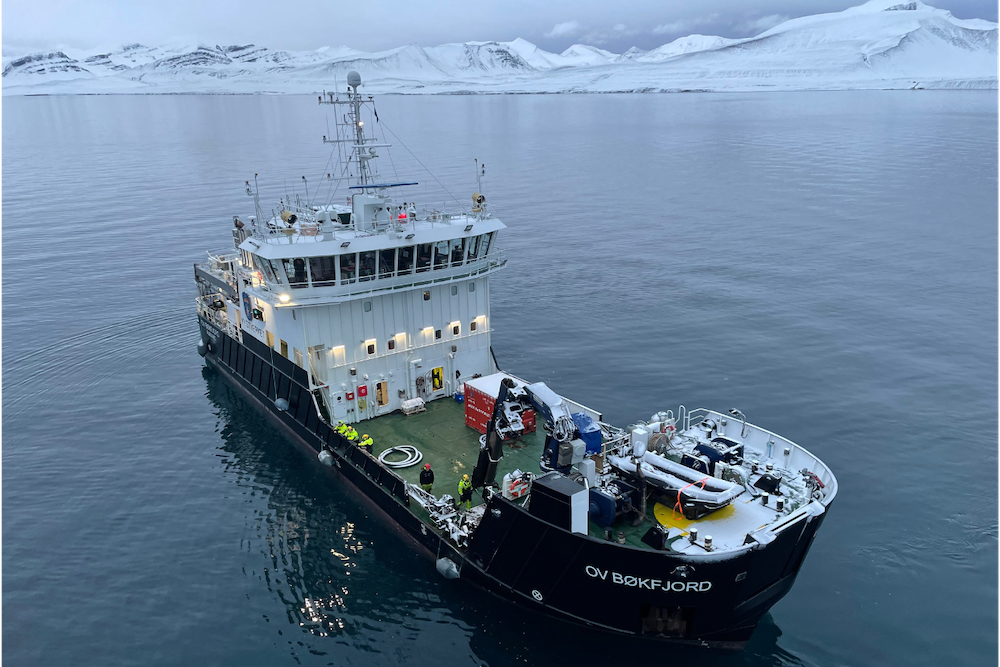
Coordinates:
353 79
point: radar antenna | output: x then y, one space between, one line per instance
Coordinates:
362 147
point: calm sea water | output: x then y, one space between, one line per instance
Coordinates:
826 262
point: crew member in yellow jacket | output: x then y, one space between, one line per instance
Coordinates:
465 492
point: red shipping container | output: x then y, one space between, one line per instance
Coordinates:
478 408
480 398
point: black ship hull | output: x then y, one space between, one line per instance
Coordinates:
519 557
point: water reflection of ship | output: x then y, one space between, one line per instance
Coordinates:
313 538
314 543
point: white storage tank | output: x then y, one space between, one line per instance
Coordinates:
640 436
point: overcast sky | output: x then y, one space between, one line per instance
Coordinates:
309 24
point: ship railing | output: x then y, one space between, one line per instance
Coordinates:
227 255
217 316
359 287
614 446
309 228
256 279
689 416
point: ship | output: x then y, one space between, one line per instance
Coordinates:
363 329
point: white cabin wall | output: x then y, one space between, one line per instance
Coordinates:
288 327
348 324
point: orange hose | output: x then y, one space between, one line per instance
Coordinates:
677 505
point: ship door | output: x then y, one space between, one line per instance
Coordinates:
437 378
339 405
382 393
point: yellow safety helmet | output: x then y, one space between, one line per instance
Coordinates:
365 435
465 477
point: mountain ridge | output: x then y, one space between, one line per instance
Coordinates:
881 44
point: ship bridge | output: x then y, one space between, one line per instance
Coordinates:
380 300
378 316
324 256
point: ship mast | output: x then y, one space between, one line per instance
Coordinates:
362 150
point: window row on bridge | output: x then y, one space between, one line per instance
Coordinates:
348 268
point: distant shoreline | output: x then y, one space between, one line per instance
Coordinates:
952 86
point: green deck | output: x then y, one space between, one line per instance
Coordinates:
452 449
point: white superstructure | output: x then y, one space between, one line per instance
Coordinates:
378 301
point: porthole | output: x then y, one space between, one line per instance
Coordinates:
437 335
392 344
454 330
368 306
454 290
472 325
472 287
371 348
427 296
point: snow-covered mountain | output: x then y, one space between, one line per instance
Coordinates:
881 44
682 45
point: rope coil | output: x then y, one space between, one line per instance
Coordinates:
412 454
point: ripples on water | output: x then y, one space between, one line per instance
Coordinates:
825 262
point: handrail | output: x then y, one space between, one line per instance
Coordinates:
212 315
262 229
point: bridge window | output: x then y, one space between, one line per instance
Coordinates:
424 257
323 270
295 269
265 268
387 263
485 245
441 253
457 252
405 261
366 265
274 269
473 247
348 268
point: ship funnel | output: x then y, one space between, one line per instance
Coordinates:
353 79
